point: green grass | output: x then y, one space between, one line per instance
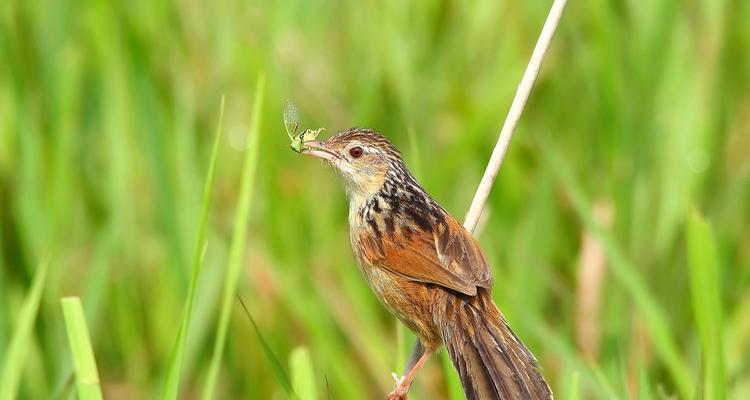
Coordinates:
301 378
21 345
87 376
705 289
303 374
622 270
237 248
573 393
108 129
171 387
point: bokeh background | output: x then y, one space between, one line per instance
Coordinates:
638 128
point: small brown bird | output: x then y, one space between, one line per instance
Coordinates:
428 271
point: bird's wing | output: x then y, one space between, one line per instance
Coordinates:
459 252
446 255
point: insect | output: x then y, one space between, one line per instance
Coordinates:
291 122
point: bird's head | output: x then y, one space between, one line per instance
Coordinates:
362 157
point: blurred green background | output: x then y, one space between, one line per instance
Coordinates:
638 125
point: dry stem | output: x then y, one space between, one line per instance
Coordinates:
514 114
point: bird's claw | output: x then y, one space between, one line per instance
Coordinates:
400 393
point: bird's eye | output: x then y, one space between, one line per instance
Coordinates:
356 152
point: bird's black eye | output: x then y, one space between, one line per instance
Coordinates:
356 152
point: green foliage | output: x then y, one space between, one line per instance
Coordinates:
87 377
573 393
303 374
623 274
275 364
17 353
108 114
171 387
237 248
706 293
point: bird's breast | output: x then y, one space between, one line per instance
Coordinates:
408 300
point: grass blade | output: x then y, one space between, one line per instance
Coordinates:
625 275
303 377
172 385
87 376
278 370
603 381
575 378
18 349
238 240
704 285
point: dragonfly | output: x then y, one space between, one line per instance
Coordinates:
291 123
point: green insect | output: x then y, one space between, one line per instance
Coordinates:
310 134
291 122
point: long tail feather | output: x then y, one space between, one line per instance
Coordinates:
490 359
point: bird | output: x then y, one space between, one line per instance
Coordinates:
427 270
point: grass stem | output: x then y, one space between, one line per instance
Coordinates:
237 247
87 376
21 341
172 385
514 115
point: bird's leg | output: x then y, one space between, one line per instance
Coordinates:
416 360
416 354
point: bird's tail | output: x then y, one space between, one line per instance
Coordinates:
491 360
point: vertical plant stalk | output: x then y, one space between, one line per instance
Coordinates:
303 374
514 115
705 289
624 274
590 277
276 367
172 385
236 250
509 126
87 376
21 341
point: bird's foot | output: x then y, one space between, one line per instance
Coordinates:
400 393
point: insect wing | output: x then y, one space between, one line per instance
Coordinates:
291 118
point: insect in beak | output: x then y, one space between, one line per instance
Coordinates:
318 148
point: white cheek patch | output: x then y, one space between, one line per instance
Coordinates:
370 150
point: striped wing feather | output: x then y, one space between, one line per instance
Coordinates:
448 257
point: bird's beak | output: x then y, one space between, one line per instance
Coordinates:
319 148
